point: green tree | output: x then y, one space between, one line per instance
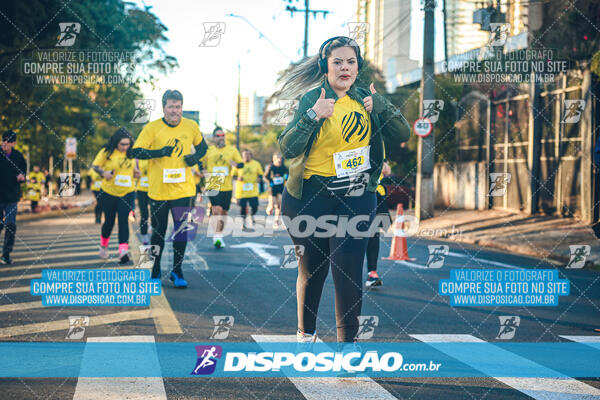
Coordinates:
44 116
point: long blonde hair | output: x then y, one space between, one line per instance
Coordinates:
301 77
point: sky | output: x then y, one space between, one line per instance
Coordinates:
208 76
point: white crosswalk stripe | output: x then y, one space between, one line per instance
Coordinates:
134 388
331 388
562 388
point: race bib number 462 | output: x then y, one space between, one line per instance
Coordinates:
351 162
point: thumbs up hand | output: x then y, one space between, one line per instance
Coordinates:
323 107
368 101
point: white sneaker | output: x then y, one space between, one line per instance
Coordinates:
103 252
302 337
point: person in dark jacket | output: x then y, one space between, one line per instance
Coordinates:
12 174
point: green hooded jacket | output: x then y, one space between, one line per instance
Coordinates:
297 138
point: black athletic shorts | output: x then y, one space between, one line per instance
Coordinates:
222 199
277 189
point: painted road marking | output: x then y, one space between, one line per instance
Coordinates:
63 324
331 388
259 250
142 388
565 388
21 306
160 310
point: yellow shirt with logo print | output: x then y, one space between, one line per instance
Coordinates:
170 178
121 182
348 128
217 161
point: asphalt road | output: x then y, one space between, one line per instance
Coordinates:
250 286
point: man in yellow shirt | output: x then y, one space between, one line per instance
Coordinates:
246 186
217 165
167 143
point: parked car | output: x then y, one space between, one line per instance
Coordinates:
399 190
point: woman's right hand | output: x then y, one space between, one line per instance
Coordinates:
108 175
323 107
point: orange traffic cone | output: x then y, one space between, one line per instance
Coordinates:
399 251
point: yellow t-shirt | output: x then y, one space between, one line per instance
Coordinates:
96 180
34 186
142 183
217 161
121 182
247 184
348 128
170 178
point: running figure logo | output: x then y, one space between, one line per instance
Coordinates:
437 254
572 112
366 326
357 31
498 183
498 34
286 109
432 109
508 327
68 33
68 184
77 326
148 253
223 324
186 221
213 184
143 109
207 359
291 254
578 255
212 34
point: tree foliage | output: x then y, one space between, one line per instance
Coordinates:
44 116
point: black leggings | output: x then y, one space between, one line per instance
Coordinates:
111 206
346 255
160 219
373 244
142 198
252 201
98 207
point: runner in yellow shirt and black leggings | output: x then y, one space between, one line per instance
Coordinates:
117 195
246 186
167 143
335 138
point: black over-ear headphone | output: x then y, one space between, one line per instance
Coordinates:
322 50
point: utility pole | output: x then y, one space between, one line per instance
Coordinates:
239 98
426 149
306 11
